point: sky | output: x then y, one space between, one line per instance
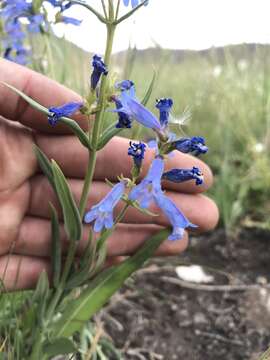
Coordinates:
177 24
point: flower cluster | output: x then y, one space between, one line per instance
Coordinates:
149 190
15 13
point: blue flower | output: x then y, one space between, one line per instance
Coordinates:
65 110
181 175
134 3
102 213
137 152
164 106
70 20
18 55
194 145
124 120
134 109
126 85
15 8
178 221
149 186
99 69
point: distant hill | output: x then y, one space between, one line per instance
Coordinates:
217 54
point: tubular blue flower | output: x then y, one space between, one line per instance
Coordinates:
65 110
102 213
134 3
137 152
135 110
124 120
181 175
99 69
178 221
15 8
164 106
149 186
195 145
69 20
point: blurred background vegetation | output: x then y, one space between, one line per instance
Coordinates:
226 91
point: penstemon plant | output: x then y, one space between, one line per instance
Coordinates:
57 311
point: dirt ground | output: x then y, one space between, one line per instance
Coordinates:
158 317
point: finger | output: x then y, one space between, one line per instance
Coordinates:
113 161
21 272
43 90
34 239
198 208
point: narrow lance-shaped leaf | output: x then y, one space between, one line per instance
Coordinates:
102 288
44 164
72 219
75 128
56 247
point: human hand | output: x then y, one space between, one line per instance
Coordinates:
25 193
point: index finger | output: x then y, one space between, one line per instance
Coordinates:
42 89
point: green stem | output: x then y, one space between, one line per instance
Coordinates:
98 123
104 9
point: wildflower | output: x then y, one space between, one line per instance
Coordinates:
149 186
178 221
134 3
181 175
65 110
69 20
102 213
124 120
15 8
195 144
17 54
164 106
134 109
126 85
99 69
137 152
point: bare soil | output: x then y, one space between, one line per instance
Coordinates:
156 317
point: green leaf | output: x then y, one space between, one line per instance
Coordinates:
102 288
42 287
60 346
44 164
72 219
56 247
149 90
41 295
87 260
108 134
73 125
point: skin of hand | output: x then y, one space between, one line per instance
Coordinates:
25 193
